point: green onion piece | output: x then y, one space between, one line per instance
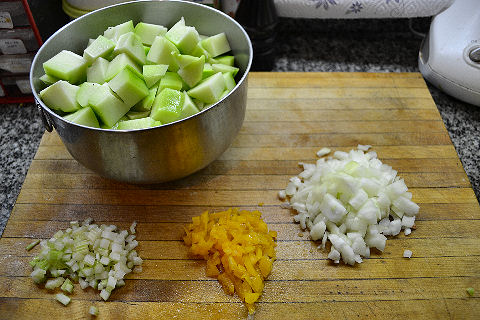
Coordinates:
94 255
54 283
33 263
43 264
105 294
470 291
38 275
63 299
67 286
32 245
93 311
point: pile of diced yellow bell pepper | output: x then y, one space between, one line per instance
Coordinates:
239 250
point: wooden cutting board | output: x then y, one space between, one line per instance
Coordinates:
289 117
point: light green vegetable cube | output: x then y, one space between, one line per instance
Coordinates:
67 66
189 108
48 80
170 80
147 32
200 104
84 92
114 127
216 45
207 70
132 115
218 67
184 60
199 51
167 105
84 117
130 88
118 64
146 103
115 32
97 72
191 68
224 94
131 44
107 106
61 96
226 59
100 47
161 53
229 80
185 38
145 75
153 72
136 124
209 90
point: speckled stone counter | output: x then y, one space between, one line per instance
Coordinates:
303 45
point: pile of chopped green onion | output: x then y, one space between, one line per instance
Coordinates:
97 256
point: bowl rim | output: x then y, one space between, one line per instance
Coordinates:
43 108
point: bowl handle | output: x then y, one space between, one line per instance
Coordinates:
47 121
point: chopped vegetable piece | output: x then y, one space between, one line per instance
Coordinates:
54 283
323 152
470 291
105 294
115 32
63 299
100 47
84 116
38 275
239 250
131 44
353 200
147 32
93 311
167 105
132 227
216 45
32 245
136 63
407 254
94 255
67 286
61 96
68 66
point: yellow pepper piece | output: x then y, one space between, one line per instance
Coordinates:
239 250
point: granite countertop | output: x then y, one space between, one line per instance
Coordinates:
386 45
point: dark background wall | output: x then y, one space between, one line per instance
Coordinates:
48 15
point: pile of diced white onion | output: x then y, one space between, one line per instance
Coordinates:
351 199
98 256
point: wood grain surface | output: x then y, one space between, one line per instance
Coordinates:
289 117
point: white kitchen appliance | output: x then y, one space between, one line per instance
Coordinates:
449 56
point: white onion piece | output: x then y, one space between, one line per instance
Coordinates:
353 200
323 151
364 147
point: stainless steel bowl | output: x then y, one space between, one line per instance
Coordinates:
162 153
